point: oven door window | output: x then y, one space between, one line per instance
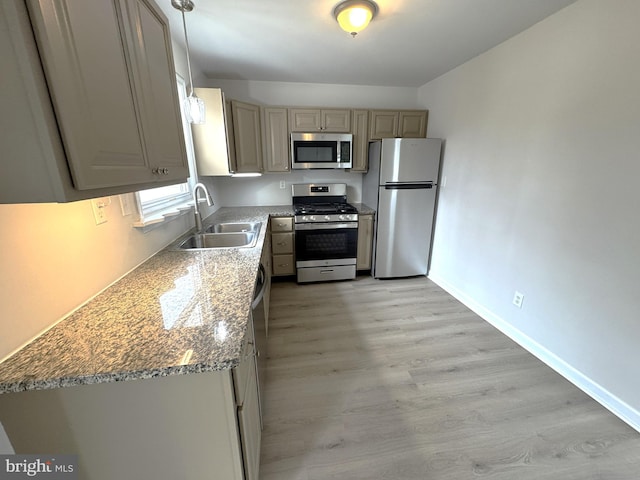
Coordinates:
331 244
315 152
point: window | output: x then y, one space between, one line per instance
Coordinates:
158 203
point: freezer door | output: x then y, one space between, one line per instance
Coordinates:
410 160
403 236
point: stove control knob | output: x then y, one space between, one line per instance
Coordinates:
305 218
342 217
312 218
327 217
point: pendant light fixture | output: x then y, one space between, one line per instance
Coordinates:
353 16
194 106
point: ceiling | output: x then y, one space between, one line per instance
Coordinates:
409 43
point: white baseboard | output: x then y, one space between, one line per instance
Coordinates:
612 403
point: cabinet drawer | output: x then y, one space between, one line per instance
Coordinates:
282 224
281 243
283 265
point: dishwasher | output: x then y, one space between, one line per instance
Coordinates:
260 333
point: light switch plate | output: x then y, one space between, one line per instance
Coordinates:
125 204
99 210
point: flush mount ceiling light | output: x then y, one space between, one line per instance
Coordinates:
353 16
194 106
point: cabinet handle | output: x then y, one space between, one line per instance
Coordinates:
282 244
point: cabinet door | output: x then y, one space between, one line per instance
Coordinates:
154 78
248 138
305 120
360 141
86 66
338 121
276 139
365 240
250 431
412 124
230 135
383 124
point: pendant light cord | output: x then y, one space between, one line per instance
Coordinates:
186 41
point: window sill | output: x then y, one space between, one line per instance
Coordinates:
155 221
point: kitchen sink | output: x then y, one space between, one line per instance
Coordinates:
234 227
219 240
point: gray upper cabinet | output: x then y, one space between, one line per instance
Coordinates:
360 132
159 108
412 123
248 137
397 124
316 119
101 109
276 139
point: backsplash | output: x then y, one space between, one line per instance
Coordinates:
54 258
265 190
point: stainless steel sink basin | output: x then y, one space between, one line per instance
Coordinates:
219 240
234 227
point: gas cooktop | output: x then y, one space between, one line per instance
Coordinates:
323 208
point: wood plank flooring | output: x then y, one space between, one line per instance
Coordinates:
395 379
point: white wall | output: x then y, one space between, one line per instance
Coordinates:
53 257
317 94
266 190
541 166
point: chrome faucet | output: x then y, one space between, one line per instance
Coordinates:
196 210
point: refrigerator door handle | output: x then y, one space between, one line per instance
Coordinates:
408 185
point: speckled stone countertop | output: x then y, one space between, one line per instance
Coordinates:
179 312
364 209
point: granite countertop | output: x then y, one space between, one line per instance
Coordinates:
179 312
364 209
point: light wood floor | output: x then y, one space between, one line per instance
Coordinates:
395 379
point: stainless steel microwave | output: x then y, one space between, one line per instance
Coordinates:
321 150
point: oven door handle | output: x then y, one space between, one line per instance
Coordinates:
325 226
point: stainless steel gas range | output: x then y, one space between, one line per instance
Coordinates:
326 232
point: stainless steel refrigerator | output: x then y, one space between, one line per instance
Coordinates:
401 185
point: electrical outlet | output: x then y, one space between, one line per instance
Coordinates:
518 298
99 213
282 185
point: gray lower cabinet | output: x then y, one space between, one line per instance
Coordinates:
247 397
365 241
282 246
89 100
182 426
192 427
